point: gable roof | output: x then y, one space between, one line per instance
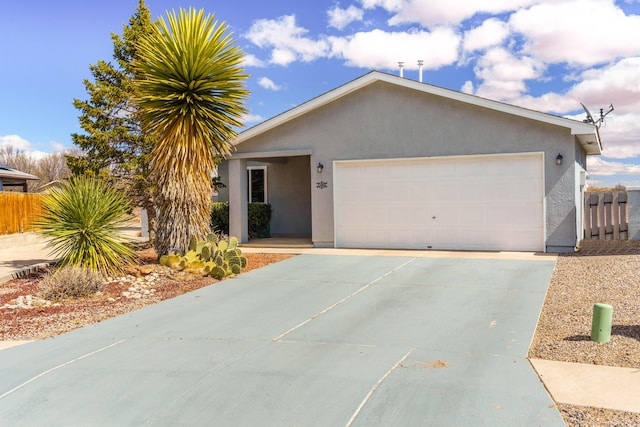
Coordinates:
9 172
586 133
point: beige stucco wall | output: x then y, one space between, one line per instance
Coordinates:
387 121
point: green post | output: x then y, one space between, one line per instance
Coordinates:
601 324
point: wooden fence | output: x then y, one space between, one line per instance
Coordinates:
17 211
605 216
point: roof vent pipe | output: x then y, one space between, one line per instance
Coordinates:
401 65
420 64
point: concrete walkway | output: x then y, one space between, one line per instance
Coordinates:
21 254
591 385
570 383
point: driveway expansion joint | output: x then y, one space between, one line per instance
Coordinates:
348 297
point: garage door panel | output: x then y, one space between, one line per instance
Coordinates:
423 191
517 213
473 202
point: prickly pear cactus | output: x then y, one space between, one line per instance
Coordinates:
233 242
212 257
193 244
205 253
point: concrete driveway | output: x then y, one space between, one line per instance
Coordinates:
317 340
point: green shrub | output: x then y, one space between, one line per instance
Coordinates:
82 221
220 217
70 282
259 218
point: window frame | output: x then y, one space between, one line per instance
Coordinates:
250 169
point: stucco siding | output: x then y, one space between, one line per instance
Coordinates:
383 120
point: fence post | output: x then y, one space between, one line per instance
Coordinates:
633 204
593 199
624 223
616 215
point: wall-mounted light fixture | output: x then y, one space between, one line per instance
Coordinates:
559 159
320 167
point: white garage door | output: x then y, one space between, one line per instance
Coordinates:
467 202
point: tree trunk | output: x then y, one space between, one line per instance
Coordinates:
184 211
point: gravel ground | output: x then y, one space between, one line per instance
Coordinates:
600 272
44 322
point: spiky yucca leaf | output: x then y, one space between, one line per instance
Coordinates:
190 93
81 221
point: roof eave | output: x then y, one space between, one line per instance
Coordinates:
18 175
590 141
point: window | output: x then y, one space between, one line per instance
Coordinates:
257 184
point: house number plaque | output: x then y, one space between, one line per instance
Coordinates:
321 185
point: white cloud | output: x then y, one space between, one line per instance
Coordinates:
268 84
15 141
503 75
252 61
287 40
451 12
388 5
597 166
381 49
620 135
282 56
57 147
550 102
467 87
37 155
579 32
491 32
618 83
339 18
251 118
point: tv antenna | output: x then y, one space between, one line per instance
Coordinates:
603 114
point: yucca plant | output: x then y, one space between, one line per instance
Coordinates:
190 95
82 223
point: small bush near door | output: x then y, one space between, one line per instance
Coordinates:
259 220
259 215
220 218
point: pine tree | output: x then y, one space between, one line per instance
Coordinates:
114 144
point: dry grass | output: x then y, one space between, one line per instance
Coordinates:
70 282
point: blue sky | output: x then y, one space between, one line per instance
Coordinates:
548 55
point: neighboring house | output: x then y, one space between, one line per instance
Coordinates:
13 180
387 162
